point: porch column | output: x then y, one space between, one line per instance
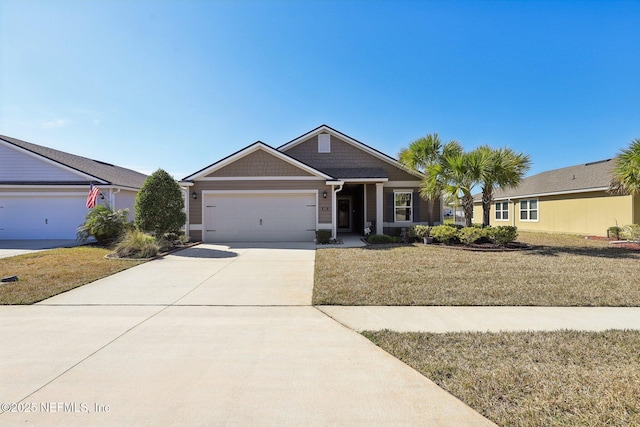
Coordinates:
379 210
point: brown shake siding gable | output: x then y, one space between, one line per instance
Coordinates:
344 155
259 163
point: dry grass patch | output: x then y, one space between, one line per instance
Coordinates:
559 271
562 378
48 273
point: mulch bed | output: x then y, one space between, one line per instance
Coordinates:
488 247
634 246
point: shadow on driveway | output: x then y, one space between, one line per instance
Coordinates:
200 252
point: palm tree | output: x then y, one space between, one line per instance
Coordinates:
501 168
424 154
456 175
626 172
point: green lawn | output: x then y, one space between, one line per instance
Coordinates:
559 271
45 274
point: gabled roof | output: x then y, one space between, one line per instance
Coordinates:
594 176
92 170
327 129
258 145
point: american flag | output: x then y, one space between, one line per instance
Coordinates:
92 197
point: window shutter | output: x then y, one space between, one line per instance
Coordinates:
390 211
415 200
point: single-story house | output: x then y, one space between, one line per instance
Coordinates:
43 192
322 180
570 200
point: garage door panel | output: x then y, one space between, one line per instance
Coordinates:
260 217
41 217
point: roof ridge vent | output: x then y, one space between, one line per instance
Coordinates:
598 162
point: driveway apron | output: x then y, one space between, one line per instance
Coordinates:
216 335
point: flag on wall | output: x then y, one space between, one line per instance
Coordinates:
92 197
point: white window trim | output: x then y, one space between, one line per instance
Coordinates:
502 219
395 208
528 210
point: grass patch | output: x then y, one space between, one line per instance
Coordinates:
559 271
557 378
48 273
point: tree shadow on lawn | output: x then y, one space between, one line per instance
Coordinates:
607 252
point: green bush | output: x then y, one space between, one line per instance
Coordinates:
614 232
159 206
323 237
136 244
469 235
445 233
421 231
505 234
376 239
103 224
630 232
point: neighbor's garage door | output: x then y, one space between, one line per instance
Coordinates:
41 217
259 217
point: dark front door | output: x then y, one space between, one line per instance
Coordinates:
344 214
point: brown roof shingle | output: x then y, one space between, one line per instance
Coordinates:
114 175
579 178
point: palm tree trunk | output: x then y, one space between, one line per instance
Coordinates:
487 198
467 206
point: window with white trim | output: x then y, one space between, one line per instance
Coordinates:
502 211
529 210
403 205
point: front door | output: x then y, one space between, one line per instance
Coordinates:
344 215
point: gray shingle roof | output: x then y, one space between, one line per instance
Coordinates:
579 178
114 175
354 173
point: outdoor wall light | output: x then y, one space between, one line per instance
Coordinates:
324 194
194 195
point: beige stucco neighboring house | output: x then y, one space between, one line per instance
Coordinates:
570 200
43 191
322 180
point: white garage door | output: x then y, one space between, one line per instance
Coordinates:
259 217
41 217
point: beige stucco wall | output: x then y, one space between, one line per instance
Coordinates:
585 213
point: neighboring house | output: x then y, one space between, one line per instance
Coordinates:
322 180
43 191
569 200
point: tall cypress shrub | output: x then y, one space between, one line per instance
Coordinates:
159 207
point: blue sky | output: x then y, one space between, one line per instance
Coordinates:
180 84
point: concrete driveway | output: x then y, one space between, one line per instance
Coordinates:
215 336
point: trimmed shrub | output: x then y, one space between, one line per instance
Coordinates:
444 233
103 224
323 237
614 232
630 232
159 205
505 234
469 235
377 239
421 231
136 244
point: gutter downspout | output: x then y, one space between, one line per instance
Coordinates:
112 198
334 208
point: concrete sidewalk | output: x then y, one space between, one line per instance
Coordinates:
484 319
214 335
